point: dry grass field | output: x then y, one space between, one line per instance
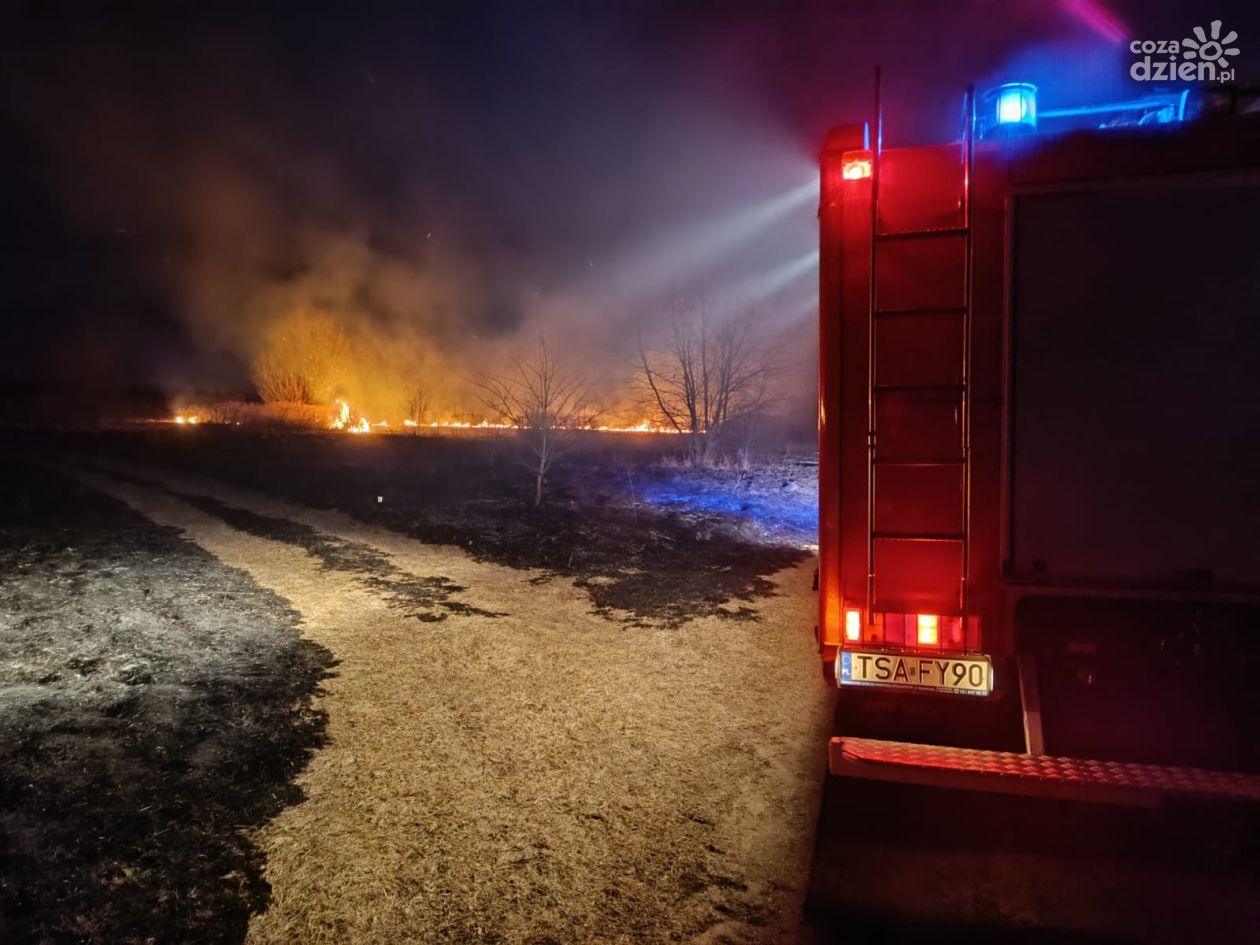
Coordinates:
503 757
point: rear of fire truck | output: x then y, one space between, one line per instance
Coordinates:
1039 565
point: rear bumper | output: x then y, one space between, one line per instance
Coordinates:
1042 776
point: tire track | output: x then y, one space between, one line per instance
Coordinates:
425 598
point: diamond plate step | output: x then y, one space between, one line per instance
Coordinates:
1005 772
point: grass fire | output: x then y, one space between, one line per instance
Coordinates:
500 473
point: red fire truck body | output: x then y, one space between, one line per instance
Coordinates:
1039 418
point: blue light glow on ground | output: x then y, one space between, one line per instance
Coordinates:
778 506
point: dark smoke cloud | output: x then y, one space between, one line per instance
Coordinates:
452 180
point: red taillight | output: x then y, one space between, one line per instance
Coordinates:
855 165
927 629
853 625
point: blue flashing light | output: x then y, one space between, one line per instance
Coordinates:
1010 107
1013 107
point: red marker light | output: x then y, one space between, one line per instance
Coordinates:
853 625
855 165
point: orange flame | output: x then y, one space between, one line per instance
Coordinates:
346 420
343 422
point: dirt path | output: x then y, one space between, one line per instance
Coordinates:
504 765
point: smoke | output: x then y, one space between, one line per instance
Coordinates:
453 183
444 229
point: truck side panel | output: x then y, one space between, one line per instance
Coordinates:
1135 419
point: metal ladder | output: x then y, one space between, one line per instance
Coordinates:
961 390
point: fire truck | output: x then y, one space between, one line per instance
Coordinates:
1039 448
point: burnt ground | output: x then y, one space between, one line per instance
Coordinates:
155 706
642 537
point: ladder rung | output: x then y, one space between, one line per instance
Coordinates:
900 312
923 463
919 388
920 536
922 234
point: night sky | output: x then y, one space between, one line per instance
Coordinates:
451 178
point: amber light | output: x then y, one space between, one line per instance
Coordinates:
853 625
927 629
855 165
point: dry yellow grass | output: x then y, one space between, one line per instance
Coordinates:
545 776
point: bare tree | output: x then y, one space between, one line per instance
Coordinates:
417 409
305 356
546 404
710 374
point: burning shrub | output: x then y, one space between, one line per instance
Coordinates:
305 416
306 356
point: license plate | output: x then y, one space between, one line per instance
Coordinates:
969 676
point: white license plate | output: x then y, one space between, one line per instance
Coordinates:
969 676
